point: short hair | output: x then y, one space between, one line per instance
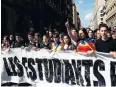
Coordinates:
37 34
96 30
74 29
103 25
61 34
18 34
31 33
56 35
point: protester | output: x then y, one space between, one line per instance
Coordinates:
11 37
5 37
55 44
31 41
5 43
50 34
97 34
37 40
72 34
47 33
84 41
85 44
91 34
45 44
61 37
105 44
88 29
109 33
19 41
66 45
113 34
113 54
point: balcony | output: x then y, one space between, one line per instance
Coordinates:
111 13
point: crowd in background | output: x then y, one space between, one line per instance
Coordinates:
85 41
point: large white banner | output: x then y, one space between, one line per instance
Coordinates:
43 68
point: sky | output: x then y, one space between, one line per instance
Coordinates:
84 7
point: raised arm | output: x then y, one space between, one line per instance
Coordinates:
70 33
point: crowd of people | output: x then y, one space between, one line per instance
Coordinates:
83 41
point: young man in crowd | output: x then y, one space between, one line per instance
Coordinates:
31 41
109 33
105 44
56 43
114 33
11 37
19 41
38 41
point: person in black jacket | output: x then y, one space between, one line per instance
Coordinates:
11 37
19 41
31 41
37 39
45 43
105 44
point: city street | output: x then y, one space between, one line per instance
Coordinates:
58 43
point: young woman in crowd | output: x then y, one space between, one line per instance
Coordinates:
114 34
61 37
11 37
88 29
97 34
66 45
45 44
85 44
5 43
91 34
109 33
50 35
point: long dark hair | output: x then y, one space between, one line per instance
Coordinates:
85 32
68 38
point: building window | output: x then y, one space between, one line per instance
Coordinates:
101 15
101 11
101 22
101 19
